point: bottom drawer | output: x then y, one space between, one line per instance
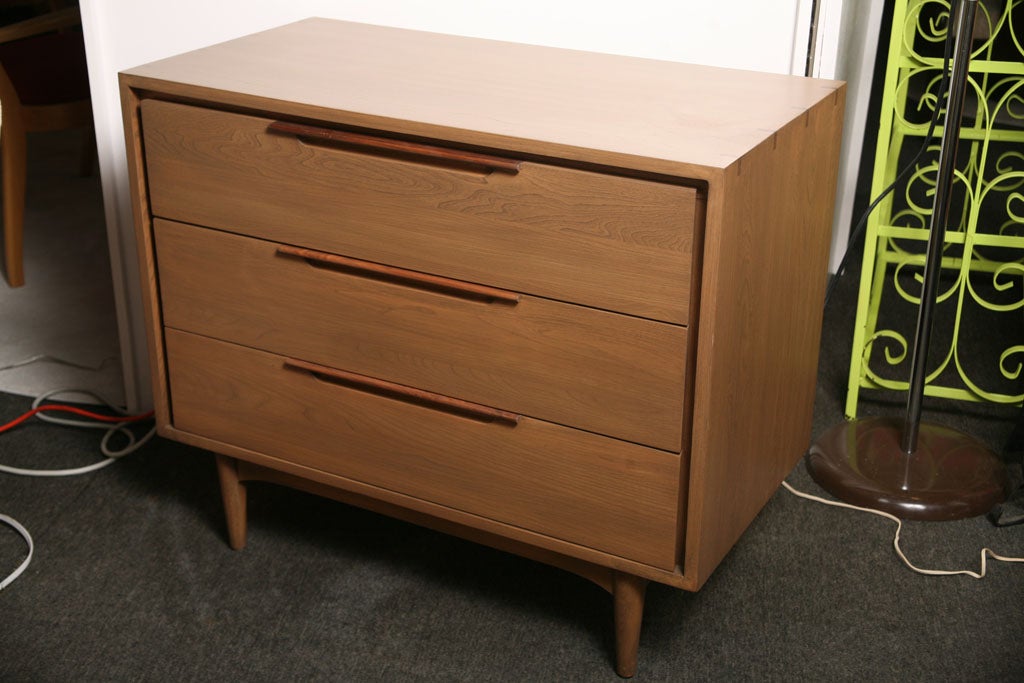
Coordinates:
595 491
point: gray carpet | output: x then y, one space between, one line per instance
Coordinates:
133 580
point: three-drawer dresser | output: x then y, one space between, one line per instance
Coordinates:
564 304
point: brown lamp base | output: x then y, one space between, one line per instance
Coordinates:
950 476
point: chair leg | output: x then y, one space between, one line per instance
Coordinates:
12 165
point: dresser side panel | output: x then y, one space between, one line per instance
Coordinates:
130 110
764 276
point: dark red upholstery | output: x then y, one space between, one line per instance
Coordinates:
47 69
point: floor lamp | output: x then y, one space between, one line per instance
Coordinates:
907 468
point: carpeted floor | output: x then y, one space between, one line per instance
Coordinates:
133 580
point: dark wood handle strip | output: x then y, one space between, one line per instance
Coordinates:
443 153
409 394
456 287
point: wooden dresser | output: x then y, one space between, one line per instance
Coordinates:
564 304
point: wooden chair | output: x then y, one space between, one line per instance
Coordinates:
44 86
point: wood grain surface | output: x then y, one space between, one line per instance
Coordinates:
682 119
601 240
603 493
762 301
607 373
684 208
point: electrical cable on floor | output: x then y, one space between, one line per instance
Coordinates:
10 521
985 552
113 424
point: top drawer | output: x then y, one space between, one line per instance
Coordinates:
599 240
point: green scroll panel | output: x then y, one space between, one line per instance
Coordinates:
977 344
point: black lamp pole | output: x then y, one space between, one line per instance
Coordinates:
937 228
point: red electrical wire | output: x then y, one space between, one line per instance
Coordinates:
77 411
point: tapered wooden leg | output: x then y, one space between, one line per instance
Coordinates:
12 160
232 491
628 595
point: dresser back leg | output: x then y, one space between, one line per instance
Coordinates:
628 595
232 491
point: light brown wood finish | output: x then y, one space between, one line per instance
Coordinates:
233 494
673 194
146 254
400 392
628 599
375 143
477 527
608 373
766 243
594 239
627 589
322 259
600 492
664 117
19 119
597 573
13 160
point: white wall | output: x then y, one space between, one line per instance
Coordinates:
747 34
848 43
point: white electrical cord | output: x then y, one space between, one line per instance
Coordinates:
111 429
111 456
985 552
28 539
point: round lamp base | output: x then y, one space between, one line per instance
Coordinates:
950 476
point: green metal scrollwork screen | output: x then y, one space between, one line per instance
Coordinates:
977 346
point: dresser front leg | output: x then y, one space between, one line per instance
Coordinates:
232 491
628 595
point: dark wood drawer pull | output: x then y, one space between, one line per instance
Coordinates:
401 146
445 285
404 393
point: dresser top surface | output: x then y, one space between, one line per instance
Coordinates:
594 107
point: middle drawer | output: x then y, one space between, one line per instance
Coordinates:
604 372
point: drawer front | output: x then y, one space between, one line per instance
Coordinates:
600 240
598 492
604 372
